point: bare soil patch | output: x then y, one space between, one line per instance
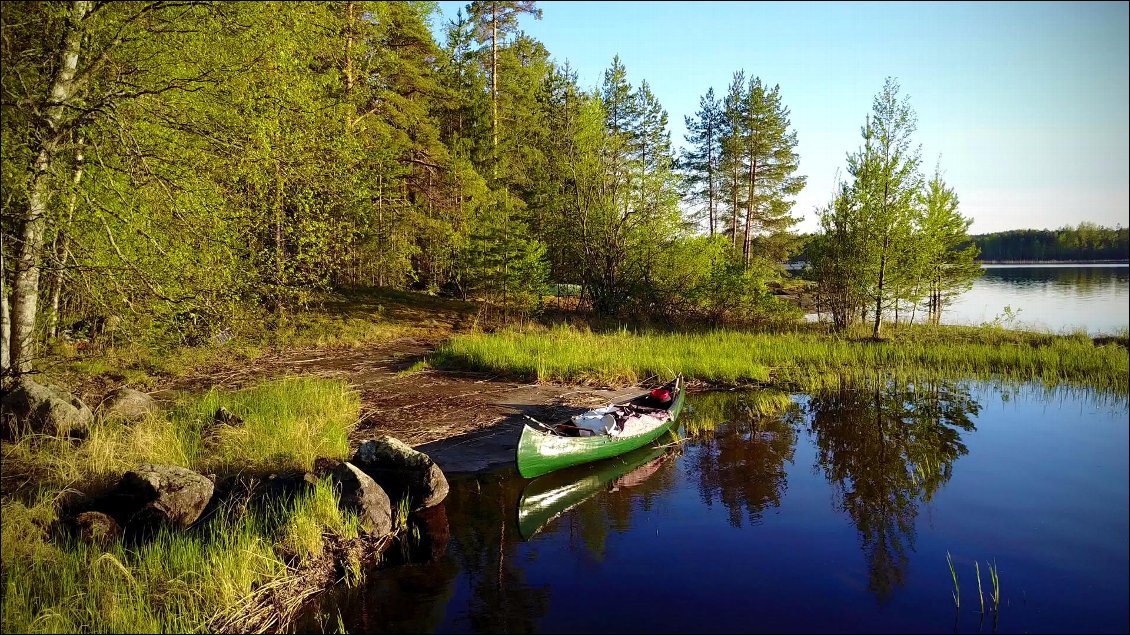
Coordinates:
467 422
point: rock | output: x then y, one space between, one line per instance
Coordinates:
128 404
324 466
402 471
286 487
46 409
227 417
96 528
163 493
361 495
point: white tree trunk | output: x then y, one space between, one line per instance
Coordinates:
5 318
62 247
25 288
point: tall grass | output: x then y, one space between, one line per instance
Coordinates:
287 424
181 579
175 583
791 360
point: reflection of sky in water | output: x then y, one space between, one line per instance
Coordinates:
1057 298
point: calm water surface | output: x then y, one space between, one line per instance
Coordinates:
835 516
1058 298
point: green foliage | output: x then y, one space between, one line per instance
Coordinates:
238 160
888 241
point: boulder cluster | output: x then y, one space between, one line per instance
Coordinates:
150 496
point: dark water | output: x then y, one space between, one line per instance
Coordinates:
833 517
1058 298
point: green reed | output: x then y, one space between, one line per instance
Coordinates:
956 593
994 574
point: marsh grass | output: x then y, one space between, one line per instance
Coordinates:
956 593
791 360
180 580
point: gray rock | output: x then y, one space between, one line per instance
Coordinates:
96 528
164 493
46 409
361 495
128 404
402 471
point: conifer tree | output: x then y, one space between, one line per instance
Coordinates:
701 161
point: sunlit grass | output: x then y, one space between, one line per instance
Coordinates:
800 360
181 579
176 583
287 424
314 515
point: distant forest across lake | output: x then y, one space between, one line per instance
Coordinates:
1087 241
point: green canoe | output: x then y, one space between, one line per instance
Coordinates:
549 496
543 448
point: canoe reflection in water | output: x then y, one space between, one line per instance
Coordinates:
547 497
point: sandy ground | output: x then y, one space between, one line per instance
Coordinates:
467 422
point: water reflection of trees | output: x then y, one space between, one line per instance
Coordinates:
886 450
1078 280
743 441
485 543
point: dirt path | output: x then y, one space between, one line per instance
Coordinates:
467 422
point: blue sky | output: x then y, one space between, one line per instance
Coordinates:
1025 104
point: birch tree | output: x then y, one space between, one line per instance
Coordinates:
886 183
48 139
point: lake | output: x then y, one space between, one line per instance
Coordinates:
1059 298
836 515
1047 297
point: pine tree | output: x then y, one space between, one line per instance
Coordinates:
701 161
770 161
734 185
494 21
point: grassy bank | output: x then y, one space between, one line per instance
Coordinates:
347 319
206 578
797 360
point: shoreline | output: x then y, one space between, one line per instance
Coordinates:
1053 262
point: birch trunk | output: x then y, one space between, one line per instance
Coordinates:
63 247
5 318
25 289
